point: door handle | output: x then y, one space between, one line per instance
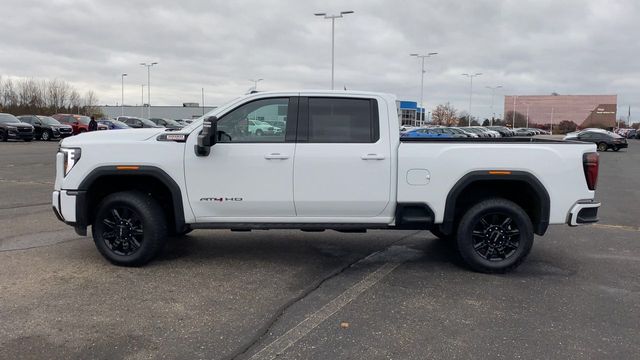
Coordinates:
372 157
276 156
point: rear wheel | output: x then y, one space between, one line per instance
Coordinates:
602 146
129 228
494 236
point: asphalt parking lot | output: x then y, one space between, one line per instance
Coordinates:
294 295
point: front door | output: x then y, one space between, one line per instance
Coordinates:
248 176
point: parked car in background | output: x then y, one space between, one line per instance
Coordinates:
78 123
603 139
523 132
113 124
502 130
138 123
12 128
259 128
477 131
449 131
46 128
167 123
424 133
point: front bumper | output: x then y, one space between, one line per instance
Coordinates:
67 206
11 134
623 145
584 213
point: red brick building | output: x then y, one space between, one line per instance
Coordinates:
584 110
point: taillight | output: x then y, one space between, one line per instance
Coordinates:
590 163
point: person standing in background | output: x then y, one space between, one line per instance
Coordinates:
93 125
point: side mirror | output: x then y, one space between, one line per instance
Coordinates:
208 137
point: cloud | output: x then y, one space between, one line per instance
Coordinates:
534 47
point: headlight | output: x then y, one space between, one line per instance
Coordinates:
71 158
12 128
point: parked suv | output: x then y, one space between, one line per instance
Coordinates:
168 123
79 123
138 123
46 128
12 128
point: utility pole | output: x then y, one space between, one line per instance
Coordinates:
122 100
202 101
513 115
493 92
422 72
142 103
471 76
527 116
333 27
551 127
149 85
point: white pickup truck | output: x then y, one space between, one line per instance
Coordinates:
338 163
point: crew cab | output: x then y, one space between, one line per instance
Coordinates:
339 164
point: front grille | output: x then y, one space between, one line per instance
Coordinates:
24 130
64 130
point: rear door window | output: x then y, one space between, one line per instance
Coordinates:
343 120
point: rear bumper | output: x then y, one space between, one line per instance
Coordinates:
584 213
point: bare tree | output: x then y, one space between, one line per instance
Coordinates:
90 103
58 92
75 101
444 115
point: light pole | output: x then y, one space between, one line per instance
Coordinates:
149 85
333 27
527 116
493 93
471 76
551 127
420 56
513 113
122 100
142 102
255 83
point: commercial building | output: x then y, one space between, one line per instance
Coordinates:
410 114
186 111
584 110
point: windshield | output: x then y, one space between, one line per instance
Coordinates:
119 124
8 119
48 120
148 122
83 119
172 122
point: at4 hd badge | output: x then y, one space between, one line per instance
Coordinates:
220 199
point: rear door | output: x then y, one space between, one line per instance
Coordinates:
343 161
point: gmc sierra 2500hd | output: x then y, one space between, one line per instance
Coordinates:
336 161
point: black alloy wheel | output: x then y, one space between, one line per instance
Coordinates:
123 232
129 228
494 236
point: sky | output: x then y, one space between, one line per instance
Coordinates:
527 47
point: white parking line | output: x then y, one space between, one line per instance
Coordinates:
282 343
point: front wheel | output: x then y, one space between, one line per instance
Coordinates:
3 136
602 146
129 228
46 136
494 236
259 132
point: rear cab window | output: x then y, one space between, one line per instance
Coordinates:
339 120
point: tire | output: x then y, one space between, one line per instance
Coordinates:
259 132
602 146
135 225
494 236
46 135
3 137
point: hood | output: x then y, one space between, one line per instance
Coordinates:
125 135
20 124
